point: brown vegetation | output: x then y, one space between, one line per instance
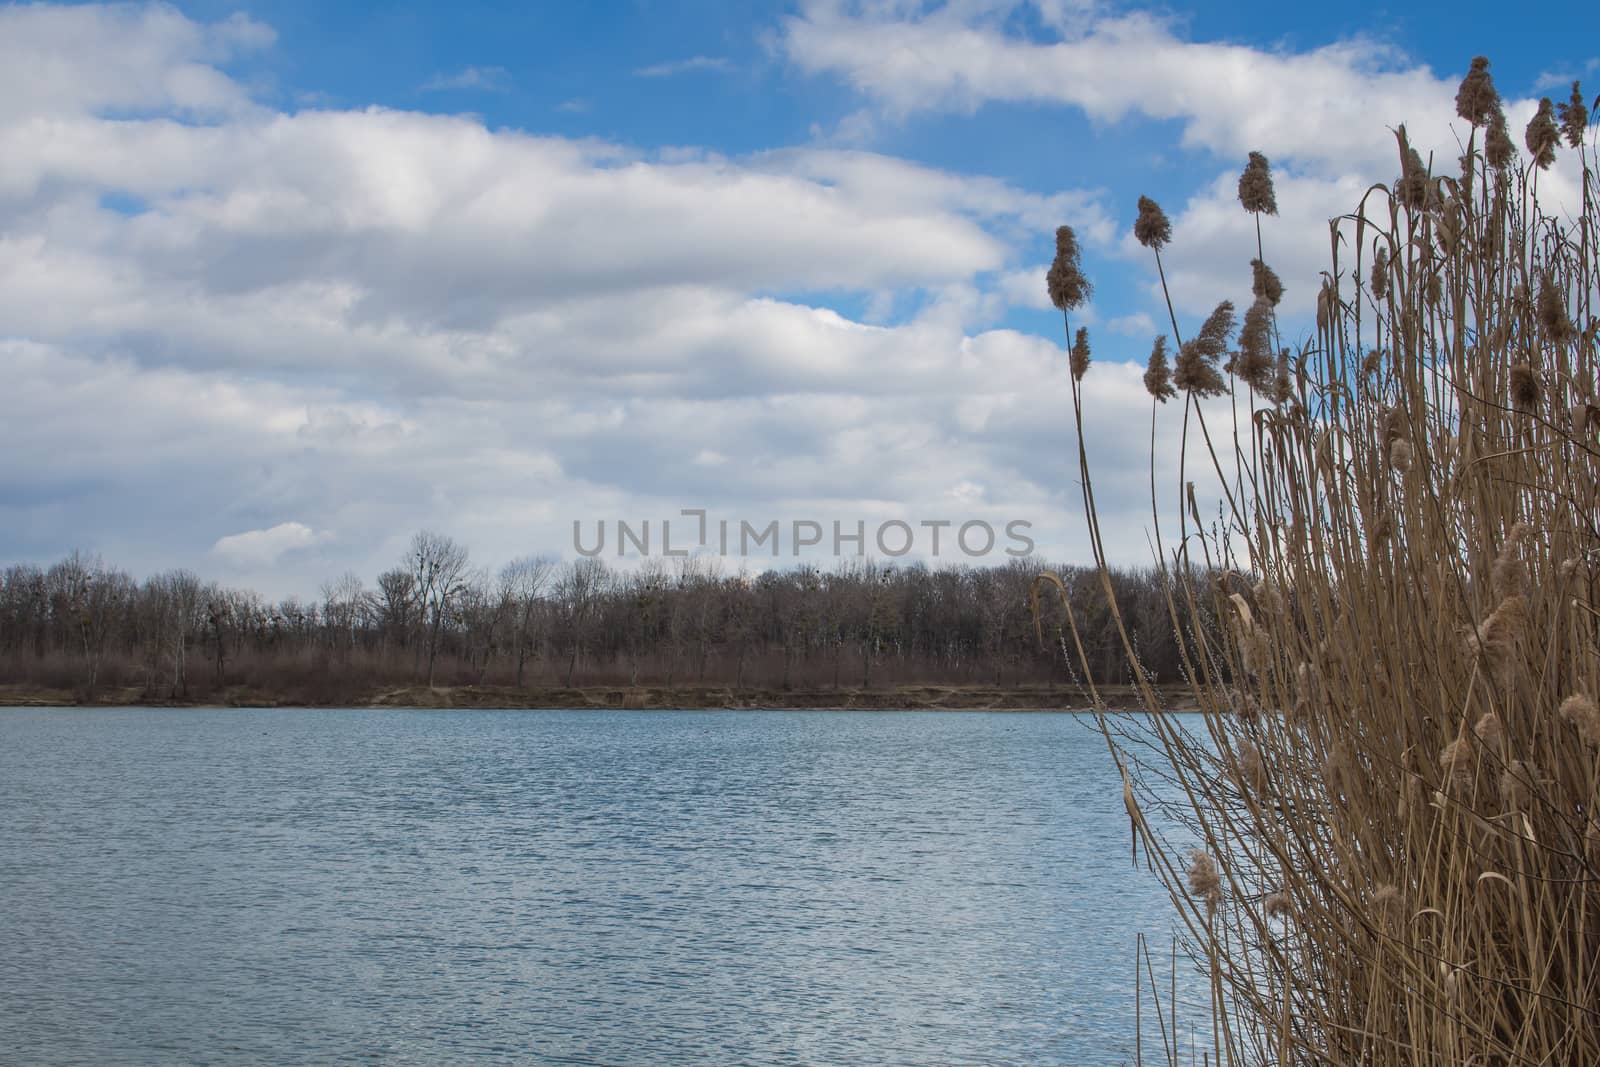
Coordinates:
1389 852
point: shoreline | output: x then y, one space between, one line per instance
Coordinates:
637 698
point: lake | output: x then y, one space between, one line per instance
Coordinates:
296 886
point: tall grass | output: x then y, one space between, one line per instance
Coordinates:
1389 851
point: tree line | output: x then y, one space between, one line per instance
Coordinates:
436 619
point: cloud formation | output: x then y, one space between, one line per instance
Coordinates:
694 64
478 79
375 320
290 339
264 547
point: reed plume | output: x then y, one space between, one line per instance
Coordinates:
1476 99
1255 187
1078 359
1157 375
1542 136
1264 283
1196 370
1152 229
1498 149
1067 286
1574 118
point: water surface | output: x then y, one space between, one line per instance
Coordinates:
629 888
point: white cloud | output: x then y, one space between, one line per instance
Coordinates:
378 320
1025 288
259 548
1139 324
1324 115
60 60
716 64
1559 83
1328 105
479 79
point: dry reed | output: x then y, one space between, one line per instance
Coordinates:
1389 849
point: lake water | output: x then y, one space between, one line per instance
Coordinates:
619 888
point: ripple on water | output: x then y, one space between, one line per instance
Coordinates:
297 886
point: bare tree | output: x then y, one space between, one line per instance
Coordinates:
439 571
219 616
397 606
646 590
486 617
345 606
180 592
582 583
82 621
523 585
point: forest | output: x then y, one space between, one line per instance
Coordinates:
436 620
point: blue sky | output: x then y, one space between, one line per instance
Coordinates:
282 282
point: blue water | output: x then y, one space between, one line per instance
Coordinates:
629 888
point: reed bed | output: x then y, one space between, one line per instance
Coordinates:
1388 849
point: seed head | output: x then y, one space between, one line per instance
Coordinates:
1254 361
1157 375
1413 187
1524 387
1204 881
1195 374
1264 283
1252 769
1476 99
1491 734
1279 906
1308 693
1400 455
1381 526
1395 426
1215 331
1458 760
1067 286
1552 309
1541 136
1196 367
1282 386
1380 273
1496 636
1152 228
1079 358
1579 710
1255 650
1387 904
1509 575
1269 598
1255 186
1497 146
1574 118
1516 784
1447 227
